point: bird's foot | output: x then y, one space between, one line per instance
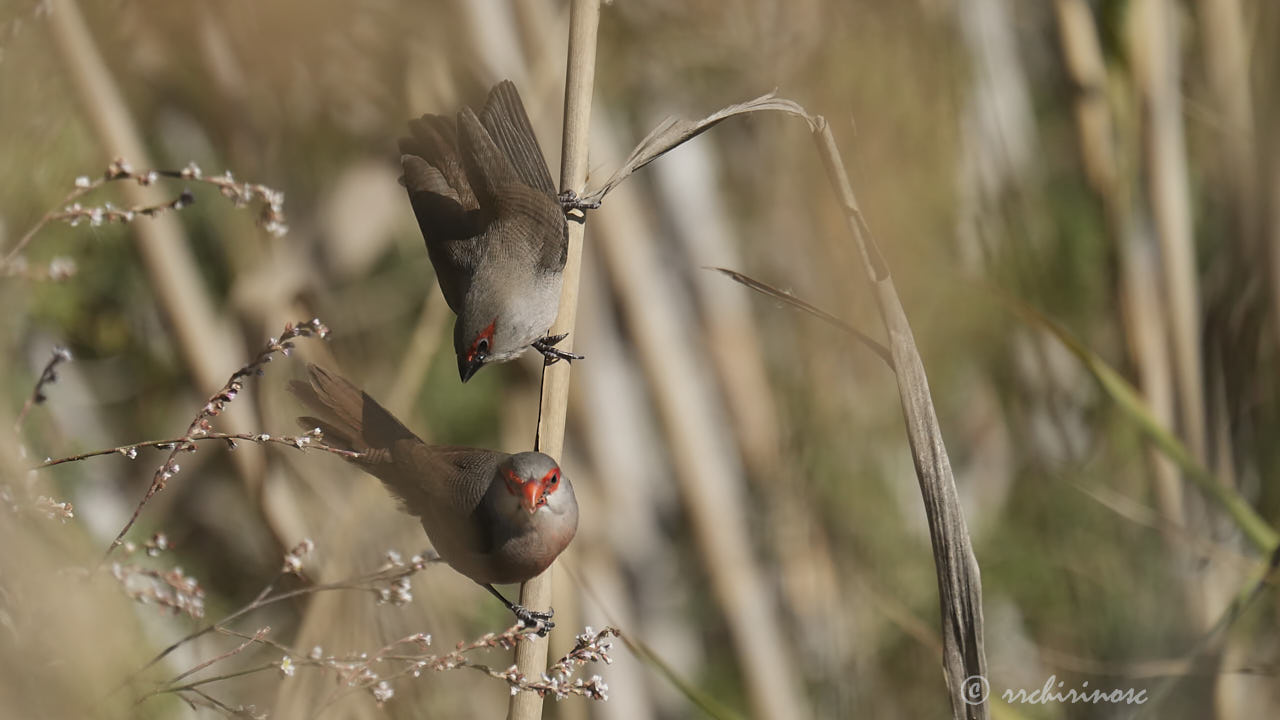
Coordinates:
534 619
572 204
553 354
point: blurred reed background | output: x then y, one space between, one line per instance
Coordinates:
749 507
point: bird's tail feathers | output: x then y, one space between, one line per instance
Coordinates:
347 417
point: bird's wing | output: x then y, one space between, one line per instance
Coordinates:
505 119
507 123
508 174
463 474
489 171
478 519
446 207
434 140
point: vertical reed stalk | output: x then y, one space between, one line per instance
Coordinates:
584 19
1158 73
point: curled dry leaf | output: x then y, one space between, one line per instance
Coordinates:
673 132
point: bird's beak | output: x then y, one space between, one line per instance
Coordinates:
467 368
529 496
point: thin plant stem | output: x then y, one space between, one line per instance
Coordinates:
169 687
300 442
584 20
217 403
265 598
261 633
47 377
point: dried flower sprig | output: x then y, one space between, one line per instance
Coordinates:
271 218
375 672
170 589
307 441
558 682
20 500
398 591
43 505
48 376
53 509
293 559
591 646
59 269
241 194
96 215
201 426
360 673
369 582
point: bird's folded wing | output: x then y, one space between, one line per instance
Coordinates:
446 208
508 124
452 477
434 139
489 171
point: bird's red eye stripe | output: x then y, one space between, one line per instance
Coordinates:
549 481
485 334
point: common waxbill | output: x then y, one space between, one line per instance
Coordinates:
494 225
495 517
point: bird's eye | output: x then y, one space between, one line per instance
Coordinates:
482 347
554 479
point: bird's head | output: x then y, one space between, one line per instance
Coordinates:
475 344
493 325
536 482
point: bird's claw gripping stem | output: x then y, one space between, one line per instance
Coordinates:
553 354
535 618
570 202
540 621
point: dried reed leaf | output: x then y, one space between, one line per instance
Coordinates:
784 296
673 132
964 659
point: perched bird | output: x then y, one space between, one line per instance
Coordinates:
495 228
495 517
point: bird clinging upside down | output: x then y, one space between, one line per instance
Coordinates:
494 226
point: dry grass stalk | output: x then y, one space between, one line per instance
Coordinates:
48 376
1158 73
584 20
1146 331
804 306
